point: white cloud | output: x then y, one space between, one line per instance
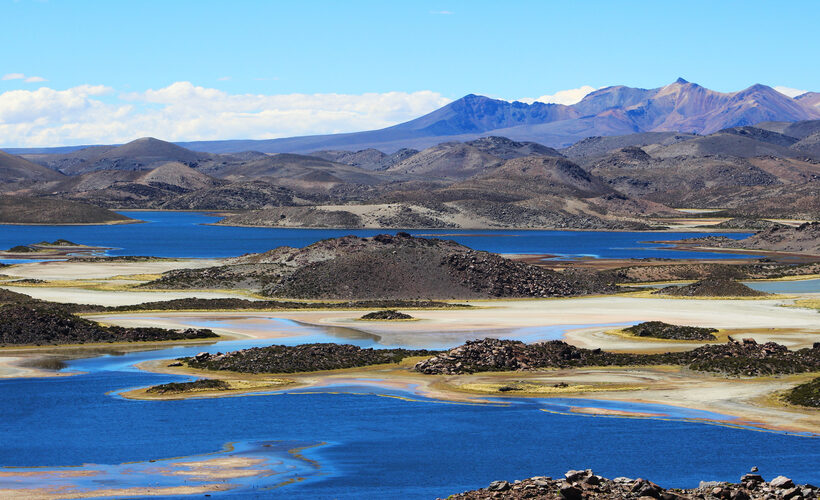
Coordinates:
567 97
21 76
790 91
224 78
183 111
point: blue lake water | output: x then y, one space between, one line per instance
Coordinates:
186 234
362 441
365 441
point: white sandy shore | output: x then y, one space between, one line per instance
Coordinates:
60 270
791 326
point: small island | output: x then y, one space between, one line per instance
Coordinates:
386 315
661 330
52 249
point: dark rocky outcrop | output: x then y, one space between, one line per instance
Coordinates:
711 287
301 358
745 358
661 330
386 315
698 271
38 324
804 238
579 485
807 394
203 384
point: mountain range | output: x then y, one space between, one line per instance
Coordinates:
618 110
672 153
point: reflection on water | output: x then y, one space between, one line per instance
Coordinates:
244 466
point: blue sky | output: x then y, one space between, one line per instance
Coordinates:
508 50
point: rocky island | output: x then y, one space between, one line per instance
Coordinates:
661 330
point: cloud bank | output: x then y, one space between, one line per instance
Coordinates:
182 111
21 76
566 97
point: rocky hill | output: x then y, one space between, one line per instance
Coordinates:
487 181
26 210
387 267
804 238
369 159
711 287
14 169
141 154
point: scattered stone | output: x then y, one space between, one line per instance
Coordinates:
577 486
781 482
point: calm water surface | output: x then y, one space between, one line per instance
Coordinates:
365 441
185 234
369 441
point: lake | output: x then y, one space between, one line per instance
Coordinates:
364 441
187 234
359 441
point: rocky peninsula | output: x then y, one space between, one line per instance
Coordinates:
711 287
739 359
301 358
33 324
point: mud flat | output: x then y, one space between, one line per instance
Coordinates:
61 270
763 320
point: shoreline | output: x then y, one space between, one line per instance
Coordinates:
736 399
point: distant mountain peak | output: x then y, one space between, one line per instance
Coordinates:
681 81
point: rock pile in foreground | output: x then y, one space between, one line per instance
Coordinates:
579 485
746 358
